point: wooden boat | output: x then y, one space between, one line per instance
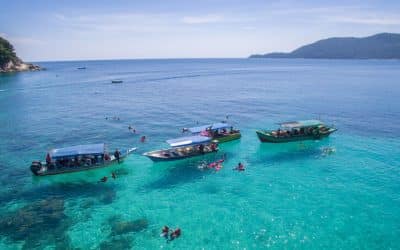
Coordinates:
184 147
296 131
81 68
222 132
76 158
117 81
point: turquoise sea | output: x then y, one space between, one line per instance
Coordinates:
291 196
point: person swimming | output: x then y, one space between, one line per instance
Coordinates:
113 175
328 151
143 138
130 128
240 167
218 167
164 232
175 234
202 165
104 179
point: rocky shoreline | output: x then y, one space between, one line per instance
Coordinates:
10 62
11 67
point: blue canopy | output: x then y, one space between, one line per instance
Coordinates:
94 149
214 126
305 123
188 141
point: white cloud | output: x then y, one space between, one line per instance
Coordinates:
340 14
117 22
26 41
202 19
249 28
21 41
59 16
314 10
367 20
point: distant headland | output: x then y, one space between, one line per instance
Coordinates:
10 62
379 46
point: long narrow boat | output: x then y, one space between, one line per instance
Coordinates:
222 132
184 147
296 131
76 158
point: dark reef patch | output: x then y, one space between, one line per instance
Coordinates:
87 203
108 196
41 222
122 227
60 190
117 243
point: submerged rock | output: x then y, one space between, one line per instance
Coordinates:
64 190
108 197
123 227
117 243
37 222
86 204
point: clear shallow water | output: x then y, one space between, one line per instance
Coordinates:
290 196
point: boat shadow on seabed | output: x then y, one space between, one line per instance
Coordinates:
278 153
183 171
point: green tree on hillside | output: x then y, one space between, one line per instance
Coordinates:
7 52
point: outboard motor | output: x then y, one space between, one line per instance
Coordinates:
36 167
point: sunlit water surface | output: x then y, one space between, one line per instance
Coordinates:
291 196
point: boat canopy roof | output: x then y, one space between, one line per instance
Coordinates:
188 141
214 126
90 149
299 124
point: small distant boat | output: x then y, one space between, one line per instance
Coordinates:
184 147
296 131
222 132
76 158
117 81
81 68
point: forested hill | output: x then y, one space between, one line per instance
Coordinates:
379 46
9 61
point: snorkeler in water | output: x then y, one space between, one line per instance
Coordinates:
164 232
240 167
175 234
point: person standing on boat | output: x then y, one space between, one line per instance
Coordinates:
48 159
117 155
214 147
107 157
201 148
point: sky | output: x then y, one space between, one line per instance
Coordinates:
120 29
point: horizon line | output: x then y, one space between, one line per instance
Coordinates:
131 59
